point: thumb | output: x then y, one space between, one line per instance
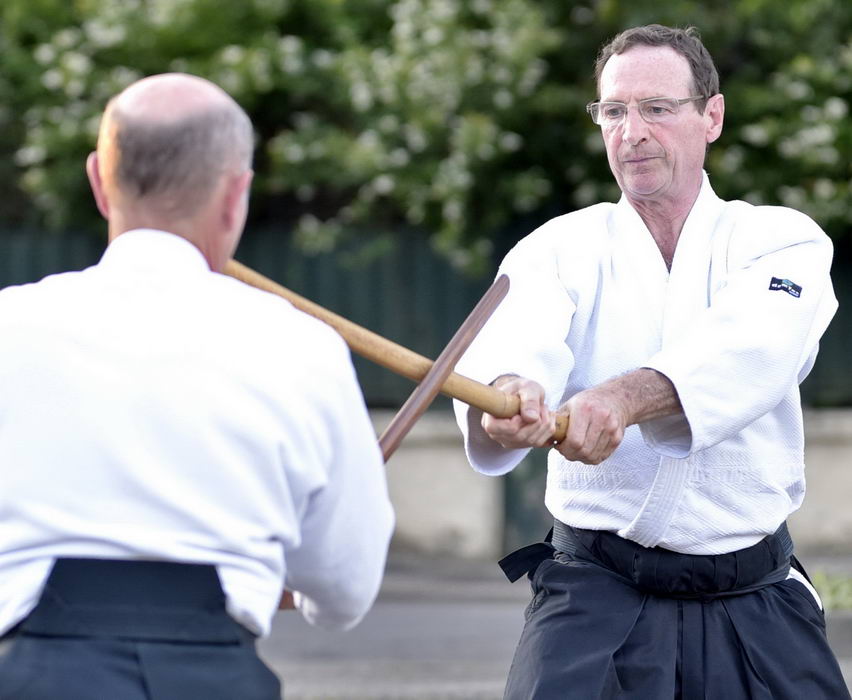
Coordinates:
531 405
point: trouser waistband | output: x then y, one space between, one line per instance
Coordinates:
671 574
661 571
142 600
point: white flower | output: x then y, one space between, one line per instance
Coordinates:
102 34
52 79
399 158
66 38
388 123
503 99
44 54
384 184
509 141
322 58
30 155
361 96
76 62
824 188
836 108
453 210
798 90
232 55
755 134
433 36
293 152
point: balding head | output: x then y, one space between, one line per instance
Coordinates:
166 141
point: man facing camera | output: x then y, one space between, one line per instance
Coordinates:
674 329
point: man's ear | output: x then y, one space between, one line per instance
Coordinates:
235 203
715 113
97 185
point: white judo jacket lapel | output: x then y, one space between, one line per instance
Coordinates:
698 271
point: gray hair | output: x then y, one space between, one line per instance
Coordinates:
177 163
687 42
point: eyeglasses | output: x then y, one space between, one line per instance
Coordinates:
653 110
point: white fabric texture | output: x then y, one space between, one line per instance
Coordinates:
591 298
153 409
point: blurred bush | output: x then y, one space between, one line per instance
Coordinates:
463 118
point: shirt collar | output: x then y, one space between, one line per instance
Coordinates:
159 250
707 207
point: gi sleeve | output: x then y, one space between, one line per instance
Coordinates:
525 336
756 340
347 523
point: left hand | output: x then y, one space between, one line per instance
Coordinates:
597 420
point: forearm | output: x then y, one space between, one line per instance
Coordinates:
598 417
644 393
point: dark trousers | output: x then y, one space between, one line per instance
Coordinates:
613 620
132 630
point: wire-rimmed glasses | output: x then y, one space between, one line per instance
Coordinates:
653 110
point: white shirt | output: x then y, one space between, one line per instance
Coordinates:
152 409
591 298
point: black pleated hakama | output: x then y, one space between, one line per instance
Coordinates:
610 620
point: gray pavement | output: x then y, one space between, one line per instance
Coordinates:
441 629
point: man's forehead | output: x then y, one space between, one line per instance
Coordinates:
645 71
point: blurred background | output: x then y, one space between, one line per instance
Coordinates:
403 146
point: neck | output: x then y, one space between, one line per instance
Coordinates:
664 220
121 222
664 227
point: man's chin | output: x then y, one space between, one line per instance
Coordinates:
643 187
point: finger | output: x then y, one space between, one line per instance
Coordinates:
542 436
611 445
514 433
600 450
532 403
609 436
498 427
511 433
576 436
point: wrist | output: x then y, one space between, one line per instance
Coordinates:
643 394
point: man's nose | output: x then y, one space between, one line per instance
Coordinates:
634 130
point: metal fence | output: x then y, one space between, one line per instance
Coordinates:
410 295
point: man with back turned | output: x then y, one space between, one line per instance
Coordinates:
176 448
674 329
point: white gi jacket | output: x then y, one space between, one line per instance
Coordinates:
152 409
735 326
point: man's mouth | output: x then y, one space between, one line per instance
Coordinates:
638 159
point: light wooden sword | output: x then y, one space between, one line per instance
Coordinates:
395 357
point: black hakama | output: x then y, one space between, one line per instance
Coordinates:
612 620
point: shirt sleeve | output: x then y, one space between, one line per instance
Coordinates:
346 527
757 339
525 336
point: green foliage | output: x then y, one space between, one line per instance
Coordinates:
463 118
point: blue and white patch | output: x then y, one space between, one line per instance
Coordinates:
794 290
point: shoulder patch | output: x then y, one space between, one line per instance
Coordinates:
794 290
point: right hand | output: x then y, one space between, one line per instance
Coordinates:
533 426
